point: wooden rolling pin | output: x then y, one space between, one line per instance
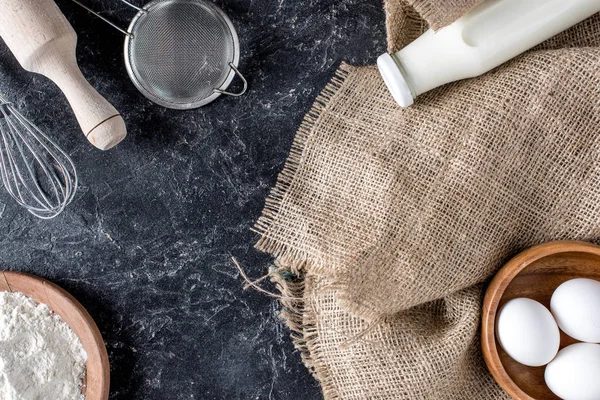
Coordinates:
43 41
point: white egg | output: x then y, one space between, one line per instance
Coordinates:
576 308
527 332
575 372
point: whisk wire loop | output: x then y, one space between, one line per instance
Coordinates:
25 139
35 171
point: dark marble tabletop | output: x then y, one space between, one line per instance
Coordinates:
146 244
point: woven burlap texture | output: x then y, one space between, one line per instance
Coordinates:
392 219
436 13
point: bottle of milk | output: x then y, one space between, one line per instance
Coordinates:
489 35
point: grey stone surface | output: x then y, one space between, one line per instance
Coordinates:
146 244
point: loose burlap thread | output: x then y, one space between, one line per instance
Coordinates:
393 219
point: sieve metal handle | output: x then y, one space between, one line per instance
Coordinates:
241 77
108 21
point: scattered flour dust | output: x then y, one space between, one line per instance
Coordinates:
40 356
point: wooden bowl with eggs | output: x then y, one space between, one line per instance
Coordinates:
535 274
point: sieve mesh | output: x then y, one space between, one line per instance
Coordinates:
179 52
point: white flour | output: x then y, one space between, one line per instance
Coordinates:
40 356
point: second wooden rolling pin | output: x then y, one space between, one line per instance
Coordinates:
43 41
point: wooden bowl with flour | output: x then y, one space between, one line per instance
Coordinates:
96 383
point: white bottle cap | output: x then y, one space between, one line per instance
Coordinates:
395 80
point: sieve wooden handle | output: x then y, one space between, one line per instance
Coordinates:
44 42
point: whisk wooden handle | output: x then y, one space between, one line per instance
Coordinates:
43 41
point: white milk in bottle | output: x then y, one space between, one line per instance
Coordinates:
489 35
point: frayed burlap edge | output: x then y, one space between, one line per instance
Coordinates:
303 325
294 313
286 178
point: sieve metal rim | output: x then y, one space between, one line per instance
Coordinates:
217 91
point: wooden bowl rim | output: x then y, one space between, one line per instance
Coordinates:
494 294
99 388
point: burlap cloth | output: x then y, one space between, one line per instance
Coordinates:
387 222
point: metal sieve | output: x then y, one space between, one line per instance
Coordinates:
180 54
